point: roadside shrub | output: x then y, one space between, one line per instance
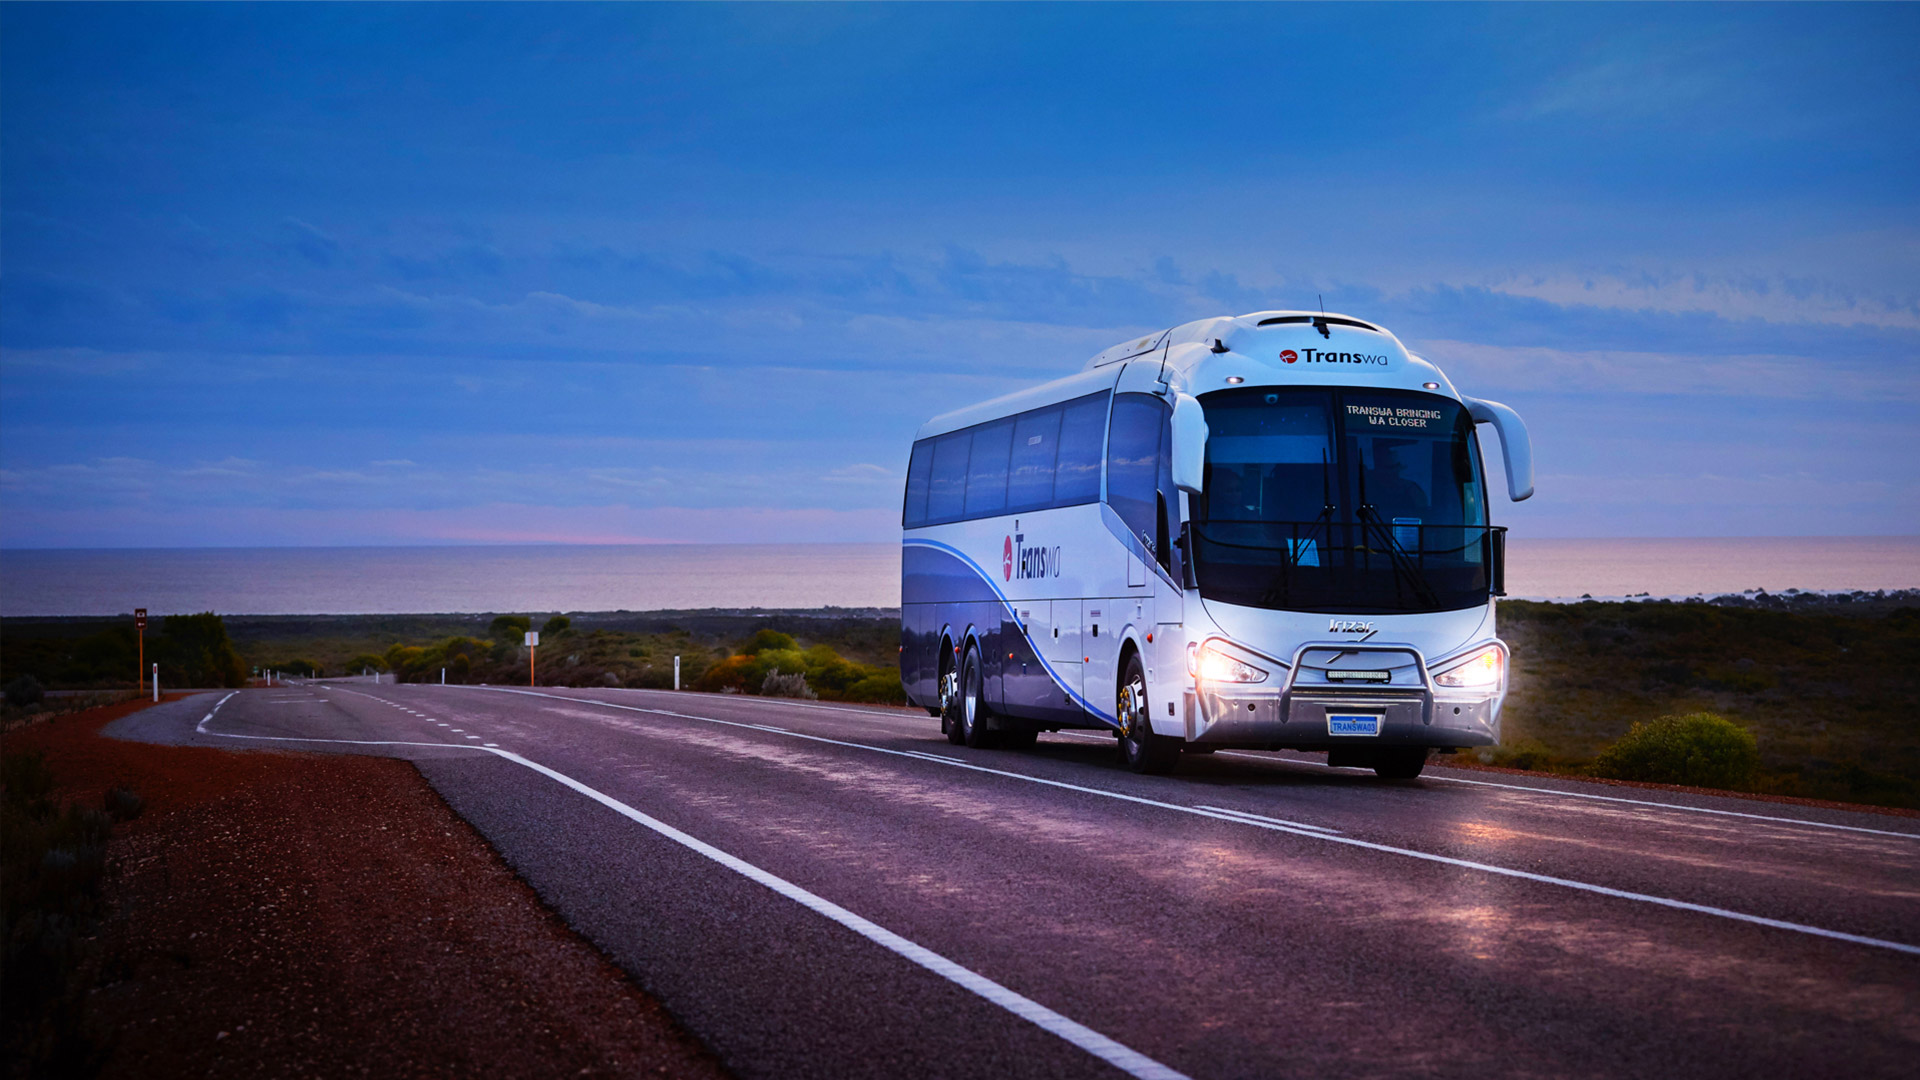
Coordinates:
195 650
364 661
1697 749
509 627
794 686
24 691
727 676
762 640
880 687
553 626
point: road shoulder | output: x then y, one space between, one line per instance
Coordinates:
276 913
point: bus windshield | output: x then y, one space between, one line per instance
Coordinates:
1341 500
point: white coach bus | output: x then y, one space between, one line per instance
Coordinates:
1263 532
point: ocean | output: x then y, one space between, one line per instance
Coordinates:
401 580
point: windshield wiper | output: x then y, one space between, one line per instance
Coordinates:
1404 572
1280 587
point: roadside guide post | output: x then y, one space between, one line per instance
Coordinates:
676 673
443 676
140 624
156 682
533 645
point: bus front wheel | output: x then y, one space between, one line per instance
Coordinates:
1140 749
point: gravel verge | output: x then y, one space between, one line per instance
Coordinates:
282 914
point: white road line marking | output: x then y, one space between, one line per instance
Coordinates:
1679 806
1127 1060
1314 832
1265 820
1556 791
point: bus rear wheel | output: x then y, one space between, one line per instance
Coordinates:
1140 749
950 698
973 705
1400 762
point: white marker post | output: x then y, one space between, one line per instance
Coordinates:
533 644
443 676
156 682
676 673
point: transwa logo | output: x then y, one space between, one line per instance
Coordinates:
1289 355
1019 561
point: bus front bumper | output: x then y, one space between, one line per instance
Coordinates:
1299 718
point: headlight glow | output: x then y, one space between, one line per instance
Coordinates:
1482 670
1216 666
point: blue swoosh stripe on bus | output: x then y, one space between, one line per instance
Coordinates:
1015 612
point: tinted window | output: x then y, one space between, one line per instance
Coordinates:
947 486
1083 438
1036 441
918 469
1350 501
987 468
1270 456
1133 462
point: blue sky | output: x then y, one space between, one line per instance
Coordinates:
346 274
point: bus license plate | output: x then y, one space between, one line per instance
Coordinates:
1353 723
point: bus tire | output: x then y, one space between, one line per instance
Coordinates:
974 729
949 700
1140 749
1400 762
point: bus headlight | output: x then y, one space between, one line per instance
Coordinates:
1482 669
1212 665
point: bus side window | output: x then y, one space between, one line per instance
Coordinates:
947 484
1133 464
987 469
1036 440
1083 436
1168 504
918 470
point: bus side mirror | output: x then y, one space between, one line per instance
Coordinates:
1189 445
1516 447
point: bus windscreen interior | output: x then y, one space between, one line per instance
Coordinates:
1341 500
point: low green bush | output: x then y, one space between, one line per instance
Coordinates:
24 691
510 627
366 662
1697 749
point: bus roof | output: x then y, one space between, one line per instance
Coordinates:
1261 348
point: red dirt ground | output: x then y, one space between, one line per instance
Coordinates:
280 914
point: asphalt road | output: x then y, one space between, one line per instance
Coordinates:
834 891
